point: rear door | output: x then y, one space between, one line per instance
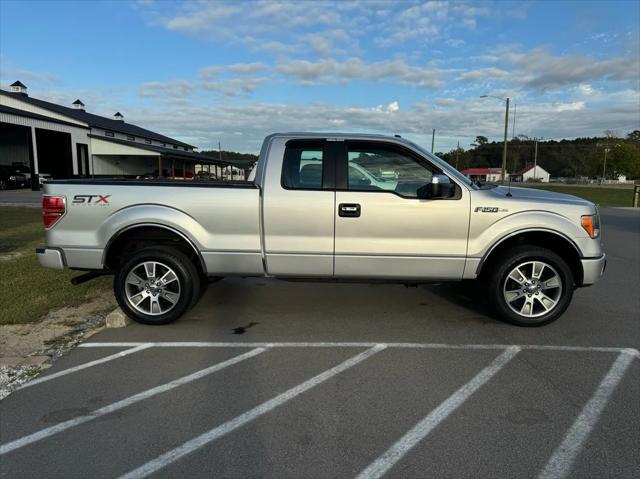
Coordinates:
382 229
298 208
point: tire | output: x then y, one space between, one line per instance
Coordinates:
149 302
536 295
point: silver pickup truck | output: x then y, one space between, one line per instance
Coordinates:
330 206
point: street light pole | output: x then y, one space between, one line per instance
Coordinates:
506 132
504 149
433 139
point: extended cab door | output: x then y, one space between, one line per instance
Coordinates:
298 206
382 229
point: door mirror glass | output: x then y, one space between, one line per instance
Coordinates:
439 187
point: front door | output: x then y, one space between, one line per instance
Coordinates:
383 230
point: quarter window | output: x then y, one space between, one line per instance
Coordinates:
375 168
303 166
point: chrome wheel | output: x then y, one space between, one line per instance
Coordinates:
532 289
152 288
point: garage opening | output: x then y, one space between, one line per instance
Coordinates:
14 145
54 153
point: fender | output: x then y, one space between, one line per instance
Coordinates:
159 216
483 238
515 233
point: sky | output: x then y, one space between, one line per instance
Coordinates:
235 71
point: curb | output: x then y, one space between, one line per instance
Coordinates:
117 319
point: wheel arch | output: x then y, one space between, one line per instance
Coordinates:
545 238
149 234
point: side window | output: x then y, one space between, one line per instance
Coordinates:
302 167
374 168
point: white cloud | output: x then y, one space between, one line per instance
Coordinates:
573 106
465 119
445 101
333 71
170 89
483 73
539 69
247 68
210 72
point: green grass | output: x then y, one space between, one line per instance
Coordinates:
600 195
27 290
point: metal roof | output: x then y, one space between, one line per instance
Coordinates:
165 152
95 120
28 114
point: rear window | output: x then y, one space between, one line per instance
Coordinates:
303 166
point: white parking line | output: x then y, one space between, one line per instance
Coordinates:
63 426
121 354
214 344
560 463
421 430
229 426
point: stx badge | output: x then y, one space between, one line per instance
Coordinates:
101 200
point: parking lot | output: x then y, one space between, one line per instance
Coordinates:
275 379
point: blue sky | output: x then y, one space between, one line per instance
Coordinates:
235 71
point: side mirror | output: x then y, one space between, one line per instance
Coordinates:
440 186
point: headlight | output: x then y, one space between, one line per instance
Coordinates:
12 178
591 224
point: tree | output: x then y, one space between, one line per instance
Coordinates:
480 141
634 136
624 159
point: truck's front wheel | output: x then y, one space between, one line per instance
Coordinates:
156 285
530 286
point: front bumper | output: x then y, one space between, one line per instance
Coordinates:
593 269
50 258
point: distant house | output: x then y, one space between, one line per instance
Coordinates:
531 173
484 175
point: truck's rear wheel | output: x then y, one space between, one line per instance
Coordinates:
156 285
530 286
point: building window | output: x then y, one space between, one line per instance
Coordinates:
175 147
164 145
148 142
109 133
186 149
131 138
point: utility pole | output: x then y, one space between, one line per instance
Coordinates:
513 129
535 160
433 139
504 150
506 132
604 166
457 155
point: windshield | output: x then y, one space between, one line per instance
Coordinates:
446 167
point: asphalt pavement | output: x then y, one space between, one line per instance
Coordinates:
284 379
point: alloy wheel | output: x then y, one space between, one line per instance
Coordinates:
532 289
152 288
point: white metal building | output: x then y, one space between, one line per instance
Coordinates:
531 173
66 142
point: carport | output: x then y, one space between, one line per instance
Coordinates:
115 157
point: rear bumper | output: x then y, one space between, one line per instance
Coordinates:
593 269
50 258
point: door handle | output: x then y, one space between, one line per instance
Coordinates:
349 210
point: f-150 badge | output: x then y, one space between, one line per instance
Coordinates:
489 209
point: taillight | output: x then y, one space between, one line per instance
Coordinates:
53 207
